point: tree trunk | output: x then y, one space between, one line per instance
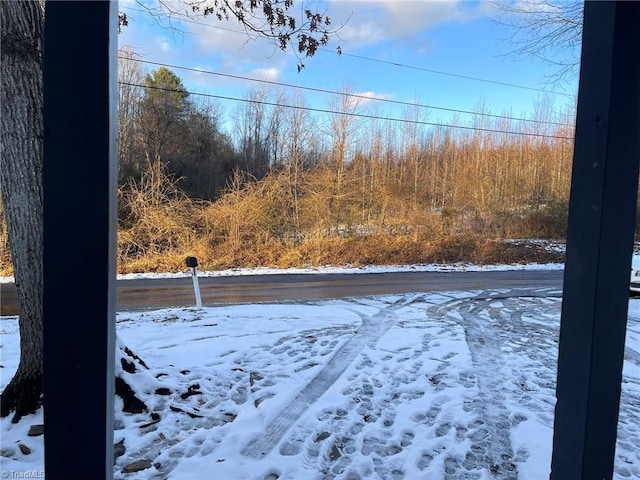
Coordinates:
22 27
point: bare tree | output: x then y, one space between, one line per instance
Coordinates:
22 39
251 123
412 138
297 136
206 158
550 30
130 74
343 129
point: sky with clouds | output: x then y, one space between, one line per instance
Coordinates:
422 51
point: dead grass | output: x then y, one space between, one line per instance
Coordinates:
362 251
259 224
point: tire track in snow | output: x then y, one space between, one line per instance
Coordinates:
372 329
483 339
487 320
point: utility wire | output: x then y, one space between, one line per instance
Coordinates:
333 92
349 114
370 59
440 72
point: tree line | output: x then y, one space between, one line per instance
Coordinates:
289 177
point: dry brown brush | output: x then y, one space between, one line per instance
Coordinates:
445 199
157 222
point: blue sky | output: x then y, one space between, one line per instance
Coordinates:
458 38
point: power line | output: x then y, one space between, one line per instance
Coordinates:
349 114
353 95
440 72
377 60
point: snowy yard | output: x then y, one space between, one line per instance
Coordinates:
455 385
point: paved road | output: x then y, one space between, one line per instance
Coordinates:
158 293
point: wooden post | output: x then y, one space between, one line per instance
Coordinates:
79 185
600 237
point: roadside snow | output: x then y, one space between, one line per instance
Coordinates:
455 267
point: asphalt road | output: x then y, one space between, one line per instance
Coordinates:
173 292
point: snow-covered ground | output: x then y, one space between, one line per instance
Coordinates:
455 267
456 385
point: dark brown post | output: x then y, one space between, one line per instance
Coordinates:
79 237
600 236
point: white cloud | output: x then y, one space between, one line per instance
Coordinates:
360 23
372 96
357 100
224 46
170 27
371 21
222 38
271 74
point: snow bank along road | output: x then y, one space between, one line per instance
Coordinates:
171 292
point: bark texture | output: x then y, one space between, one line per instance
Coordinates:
21 87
